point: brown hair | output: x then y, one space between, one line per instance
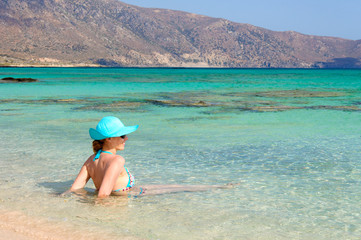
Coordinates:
97 145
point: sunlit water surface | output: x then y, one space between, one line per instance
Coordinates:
291 138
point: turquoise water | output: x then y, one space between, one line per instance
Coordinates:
291 138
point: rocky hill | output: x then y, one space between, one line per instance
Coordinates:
112 33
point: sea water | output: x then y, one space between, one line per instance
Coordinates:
289 138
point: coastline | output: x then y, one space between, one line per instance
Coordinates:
169 67
49 65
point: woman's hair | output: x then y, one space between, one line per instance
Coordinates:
97 145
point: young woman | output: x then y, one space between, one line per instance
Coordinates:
108 171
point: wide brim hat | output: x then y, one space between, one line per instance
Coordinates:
110 127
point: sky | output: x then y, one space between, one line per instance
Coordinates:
334 18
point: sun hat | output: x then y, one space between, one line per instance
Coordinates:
110 127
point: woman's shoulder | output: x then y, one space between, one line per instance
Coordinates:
117 159
90 158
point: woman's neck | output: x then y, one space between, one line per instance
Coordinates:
111 150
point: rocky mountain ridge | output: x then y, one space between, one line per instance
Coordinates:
112 33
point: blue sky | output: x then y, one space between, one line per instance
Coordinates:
336 18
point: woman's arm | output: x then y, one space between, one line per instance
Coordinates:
111 175
80 181
82 178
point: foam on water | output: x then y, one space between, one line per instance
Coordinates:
299 170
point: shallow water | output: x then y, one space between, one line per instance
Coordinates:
290 137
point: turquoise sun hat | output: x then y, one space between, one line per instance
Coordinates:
110 127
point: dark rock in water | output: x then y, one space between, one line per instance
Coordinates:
179 103
10 79
341 108
113 107
298 94
286 108
290 94
272 108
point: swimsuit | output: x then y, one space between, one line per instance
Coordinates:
130 176
130 182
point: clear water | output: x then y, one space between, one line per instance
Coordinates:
291 138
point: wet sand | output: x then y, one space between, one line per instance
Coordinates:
11 234
15 225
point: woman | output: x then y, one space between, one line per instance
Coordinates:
104 167
108 171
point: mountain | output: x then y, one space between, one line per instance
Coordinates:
112 33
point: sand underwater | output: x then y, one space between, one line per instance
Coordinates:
291 138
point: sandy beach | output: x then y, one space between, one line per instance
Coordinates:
9 234
18 226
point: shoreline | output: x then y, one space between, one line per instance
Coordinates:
6 234
16 225
51 66
169 67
